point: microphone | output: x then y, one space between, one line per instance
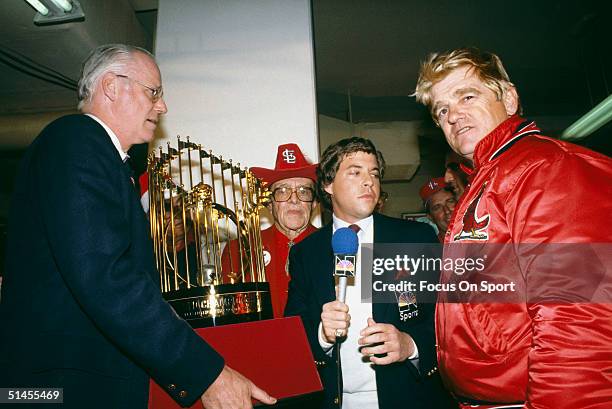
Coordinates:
345 245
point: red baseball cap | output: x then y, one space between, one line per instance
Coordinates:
290 163
431 187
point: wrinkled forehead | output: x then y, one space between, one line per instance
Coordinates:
460 77
144 65
292 182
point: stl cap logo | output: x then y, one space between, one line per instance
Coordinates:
474 227
433 184
289 156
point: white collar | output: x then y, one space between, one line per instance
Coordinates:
363 224
113 137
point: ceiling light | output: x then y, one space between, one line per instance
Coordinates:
56 11
591 121
63 4
38 6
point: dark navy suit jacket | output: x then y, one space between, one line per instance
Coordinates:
399 385
81 303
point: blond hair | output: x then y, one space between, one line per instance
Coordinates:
487 66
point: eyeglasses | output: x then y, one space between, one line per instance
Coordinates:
156 93
283 193
449 203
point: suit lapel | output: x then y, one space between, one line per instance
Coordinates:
111 150
381 235
325 265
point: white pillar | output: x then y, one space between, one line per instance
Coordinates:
238 76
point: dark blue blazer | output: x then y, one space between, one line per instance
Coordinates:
81 304
399 385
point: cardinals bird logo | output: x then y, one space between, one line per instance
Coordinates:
474 227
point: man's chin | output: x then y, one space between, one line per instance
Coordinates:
147 137
365 212
295 225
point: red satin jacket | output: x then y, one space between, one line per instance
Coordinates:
276 251
552 348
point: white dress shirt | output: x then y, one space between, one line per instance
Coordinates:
113 137
358 375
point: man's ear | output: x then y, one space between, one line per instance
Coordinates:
510 99
329 188
109 86
313 207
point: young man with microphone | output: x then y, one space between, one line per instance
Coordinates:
369 357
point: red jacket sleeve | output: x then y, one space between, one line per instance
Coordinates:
560 212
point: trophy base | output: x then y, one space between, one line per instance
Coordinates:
214 305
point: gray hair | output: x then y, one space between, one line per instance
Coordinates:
103 59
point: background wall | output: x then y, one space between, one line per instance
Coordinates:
238 76
399 143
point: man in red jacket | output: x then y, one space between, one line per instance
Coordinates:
544 340
293 202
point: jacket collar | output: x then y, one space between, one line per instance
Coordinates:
113 137
280 236
502 138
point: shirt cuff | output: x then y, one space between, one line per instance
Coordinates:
415 353
414 358
326 346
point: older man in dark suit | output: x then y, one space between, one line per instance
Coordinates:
81 306
388 361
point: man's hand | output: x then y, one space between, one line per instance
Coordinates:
233 391
335 320
389 340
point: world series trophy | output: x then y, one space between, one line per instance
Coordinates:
199 201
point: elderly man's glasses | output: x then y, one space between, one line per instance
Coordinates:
156 93
283 193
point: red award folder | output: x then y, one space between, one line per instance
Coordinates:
274 354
